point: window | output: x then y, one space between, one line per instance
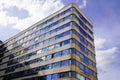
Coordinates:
57 64
78 76
65 42
39 51
48 57
66 33
43 58
53 31
36 39
55 23
59 28
38 32
41 43
48 77
57 45
86 70
52 39
45 49
59 36
57 54
31 47
64 52
86 60
49 66
73 74
81 57
42 67
82 67
46 41
32 41
47 34
54 76
65 62
51 47
66 25
82 78
42 36
64 75
67 17
77 63
36 45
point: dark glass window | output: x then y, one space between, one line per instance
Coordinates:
64 75
40 78
49 66
43 67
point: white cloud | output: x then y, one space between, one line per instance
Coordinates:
5 20
99 43
105 57
37 9
83 5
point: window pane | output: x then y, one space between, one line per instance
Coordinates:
57 45
43 58
48 77
57 54
65 42
64 75
57 64
39 51
48 57
54 76
51 47
52 39
64 52
65 62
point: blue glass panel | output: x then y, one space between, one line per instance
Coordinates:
57 64
65 62
48 77
64 52
54 76
57 54
65 42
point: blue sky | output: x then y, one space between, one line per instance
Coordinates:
20 14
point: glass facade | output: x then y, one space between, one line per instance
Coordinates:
56 48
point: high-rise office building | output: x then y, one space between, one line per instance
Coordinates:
59 47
